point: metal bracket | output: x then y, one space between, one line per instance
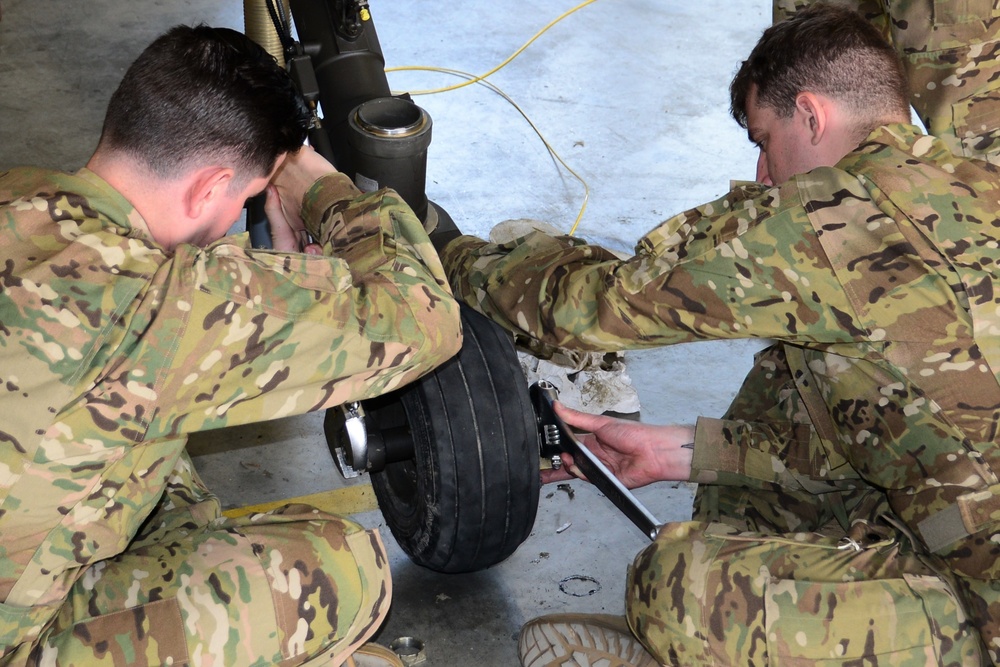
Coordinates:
351 441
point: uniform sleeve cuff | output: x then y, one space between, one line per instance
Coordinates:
323 194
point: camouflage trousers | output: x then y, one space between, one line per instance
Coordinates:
951 53
708 594
292 587
768 574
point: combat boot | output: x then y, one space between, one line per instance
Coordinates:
581 640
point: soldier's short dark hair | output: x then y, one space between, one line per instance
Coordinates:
201 94
829 50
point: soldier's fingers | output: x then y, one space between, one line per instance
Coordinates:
282 234
577 419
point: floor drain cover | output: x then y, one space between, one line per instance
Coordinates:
579 586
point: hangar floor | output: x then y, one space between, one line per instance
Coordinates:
632 95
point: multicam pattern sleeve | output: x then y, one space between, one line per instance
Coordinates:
370 315
746 265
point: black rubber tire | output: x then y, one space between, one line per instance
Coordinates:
468 497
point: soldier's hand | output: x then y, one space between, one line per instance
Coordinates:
637 454
288 232
284 199
296 175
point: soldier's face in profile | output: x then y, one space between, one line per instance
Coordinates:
785 144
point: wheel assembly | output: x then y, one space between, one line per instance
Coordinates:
453 456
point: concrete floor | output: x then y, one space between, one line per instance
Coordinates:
632 95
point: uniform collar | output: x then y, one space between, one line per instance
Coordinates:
113 206
909 139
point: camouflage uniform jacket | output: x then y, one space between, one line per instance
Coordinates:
879 276
113 350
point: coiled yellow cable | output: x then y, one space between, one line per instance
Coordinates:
481 79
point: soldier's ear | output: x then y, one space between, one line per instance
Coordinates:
204 189
813 112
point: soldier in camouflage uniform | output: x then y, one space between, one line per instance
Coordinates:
951 53
848 509
127 323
